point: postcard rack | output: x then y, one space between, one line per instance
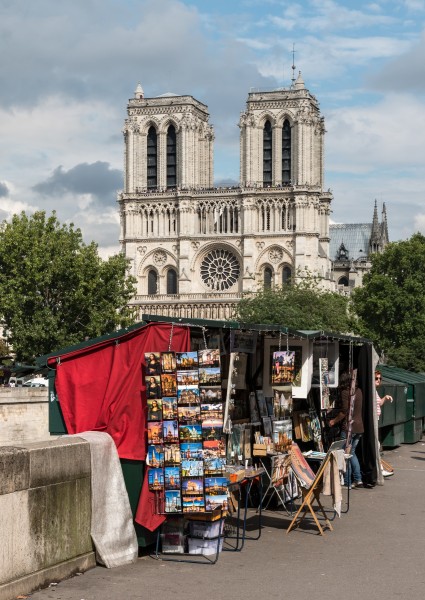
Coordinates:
191 538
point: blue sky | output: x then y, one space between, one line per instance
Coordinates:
71 67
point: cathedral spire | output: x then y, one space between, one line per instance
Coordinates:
138 92
375 235
384 225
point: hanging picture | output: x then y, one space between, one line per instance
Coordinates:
243 341
169 407
261 402
173 501
172 478
282 402
155 433
155 456
154 409
324 384
152 363
155 480
283 367
187 360
282 435
188 396
171 432
209 358
329 350
153 387
301 383
253 409
172 455
168 362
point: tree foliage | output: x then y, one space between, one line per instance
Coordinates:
301 305
54 289
391 304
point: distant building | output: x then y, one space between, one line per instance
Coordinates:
351 247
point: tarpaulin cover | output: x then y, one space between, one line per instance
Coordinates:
101 387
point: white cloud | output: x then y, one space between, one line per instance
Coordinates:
419 223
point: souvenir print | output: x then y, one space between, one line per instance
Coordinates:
155 432
168 362
172 455
172 478
152 363
212 411
169 385
155 457
153 387
209 358
173 501
192 486
210 376
187 360
213 502
169 407
154 409
188 396
187 378
192 468
189 415
283 366
171 432
210 394
190 433
193 504
191 450
155 480
216 486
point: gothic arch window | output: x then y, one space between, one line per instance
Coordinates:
267 153
171 157
343 281
152 156
171 281
267 277
286 152
286 275
152 282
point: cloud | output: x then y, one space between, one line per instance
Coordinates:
4 190
419 223
97 180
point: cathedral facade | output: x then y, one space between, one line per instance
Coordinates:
195 249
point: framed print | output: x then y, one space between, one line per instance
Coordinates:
152 363
283 367
329 350
187 360
301 383
153 387
154 409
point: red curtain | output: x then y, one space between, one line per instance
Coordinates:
101 387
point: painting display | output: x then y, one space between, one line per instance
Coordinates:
186 451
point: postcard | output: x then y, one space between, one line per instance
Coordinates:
155 457
191 450
154 409
283 366
188 395
212 430
155 480
153 387
212 411
173 501
152 363
210 376
209 358
190 415
187 378
172 455
168 362
172 478
216 486
192 486
169 407
193 504
192 468
187 360
169 384
210 394
155 433
217 444
190 433
214 465
171 432
212 502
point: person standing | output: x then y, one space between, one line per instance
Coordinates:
380 401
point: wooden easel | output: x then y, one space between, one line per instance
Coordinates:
311 492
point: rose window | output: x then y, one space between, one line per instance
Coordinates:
220 270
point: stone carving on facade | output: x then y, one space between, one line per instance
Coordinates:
275 254
195 245
159 258
141 250
260 245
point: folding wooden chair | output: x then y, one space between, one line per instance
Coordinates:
310 484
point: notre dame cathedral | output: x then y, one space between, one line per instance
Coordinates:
195 248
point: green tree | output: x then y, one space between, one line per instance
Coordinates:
301 305
54 289
391 304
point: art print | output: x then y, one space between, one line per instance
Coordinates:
188 378
261 402
212 430
169 385
282 434
154 409
209 376
245 342
214 465
253 408
190 433
217 443
172 455
172 478
153 387
193 504
187 360
282 402
209 358
192 486
324 384
189 415
188 395
212 411
213 502
155 434
210 394
155 480
155 456
173 501
152 363
192 468
216 486
191 450
168 362
283 367
171 432
169 407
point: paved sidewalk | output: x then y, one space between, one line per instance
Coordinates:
376 551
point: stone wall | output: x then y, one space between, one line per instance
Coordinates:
24 415
45 508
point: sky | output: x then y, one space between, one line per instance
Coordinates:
69 67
